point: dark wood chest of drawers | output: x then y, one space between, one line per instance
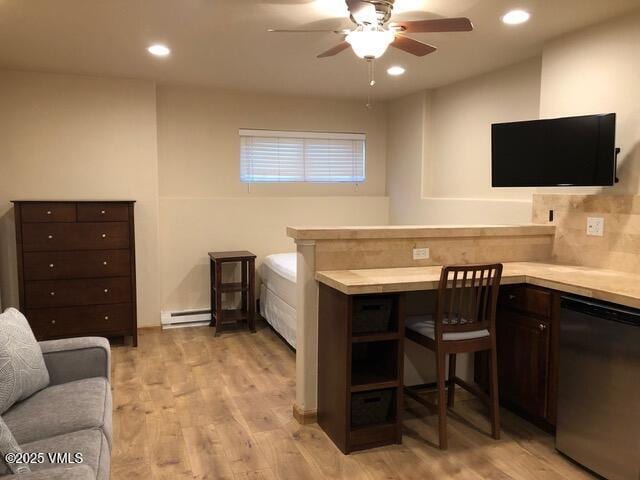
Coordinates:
76 267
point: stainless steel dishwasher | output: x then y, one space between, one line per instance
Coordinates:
599 387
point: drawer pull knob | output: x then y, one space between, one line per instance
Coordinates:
53 322
104 235
104 263
51 265
106 290
106 317
49 236
511 296
48 212
102 212
542 327
53 294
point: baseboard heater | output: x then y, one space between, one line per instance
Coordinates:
185 318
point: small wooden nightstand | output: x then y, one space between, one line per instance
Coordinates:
246 312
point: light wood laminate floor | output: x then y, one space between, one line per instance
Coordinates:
188 405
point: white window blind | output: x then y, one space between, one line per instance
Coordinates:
280 156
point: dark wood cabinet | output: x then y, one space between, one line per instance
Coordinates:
526 325
523 359
360 367
76 267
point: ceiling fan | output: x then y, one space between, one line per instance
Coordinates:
373 32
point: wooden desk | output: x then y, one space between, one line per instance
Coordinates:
528 309
608 285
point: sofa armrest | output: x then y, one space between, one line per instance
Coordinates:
78 472
72 359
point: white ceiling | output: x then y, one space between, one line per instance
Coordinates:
224 43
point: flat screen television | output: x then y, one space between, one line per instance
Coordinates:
572 151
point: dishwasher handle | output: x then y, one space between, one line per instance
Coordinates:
604 310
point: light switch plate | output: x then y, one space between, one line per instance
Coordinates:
595 226
420 253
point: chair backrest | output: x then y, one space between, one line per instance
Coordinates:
467 298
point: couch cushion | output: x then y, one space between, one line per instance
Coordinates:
22 368
91 444
63 408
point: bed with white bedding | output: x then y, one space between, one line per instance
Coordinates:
278 294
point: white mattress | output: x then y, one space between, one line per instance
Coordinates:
278 272
278 294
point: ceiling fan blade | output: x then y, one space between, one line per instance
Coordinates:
362 12
281 30
335 50
412 46
461 24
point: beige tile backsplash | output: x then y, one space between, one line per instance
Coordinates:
617 249
386 253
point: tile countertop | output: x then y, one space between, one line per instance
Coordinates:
416 231
608 285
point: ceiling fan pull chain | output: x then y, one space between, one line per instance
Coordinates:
372 80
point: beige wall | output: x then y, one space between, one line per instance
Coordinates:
459 154
596 70
204 206
191 227
199 147
405 156
439 149
73 137
443 137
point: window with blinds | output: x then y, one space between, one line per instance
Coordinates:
279 156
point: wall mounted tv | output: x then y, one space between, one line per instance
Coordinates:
572 151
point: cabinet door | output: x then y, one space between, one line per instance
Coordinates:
523 361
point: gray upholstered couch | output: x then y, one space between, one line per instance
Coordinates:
73 414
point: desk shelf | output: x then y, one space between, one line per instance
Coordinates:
359 375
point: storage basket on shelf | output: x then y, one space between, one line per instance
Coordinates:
371 315
370 408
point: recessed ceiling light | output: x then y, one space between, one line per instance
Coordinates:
515 17
159 50
395 70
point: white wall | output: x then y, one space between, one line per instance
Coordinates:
405 156
73 137
204 206
77 137
439 149
596 70
593 70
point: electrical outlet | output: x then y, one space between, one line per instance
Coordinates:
420 253
595 226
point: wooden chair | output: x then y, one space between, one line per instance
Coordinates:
464 322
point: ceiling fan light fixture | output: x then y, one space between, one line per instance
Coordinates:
516 17
370 44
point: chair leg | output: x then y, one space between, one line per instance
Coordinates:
452 386
442 401
494 394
